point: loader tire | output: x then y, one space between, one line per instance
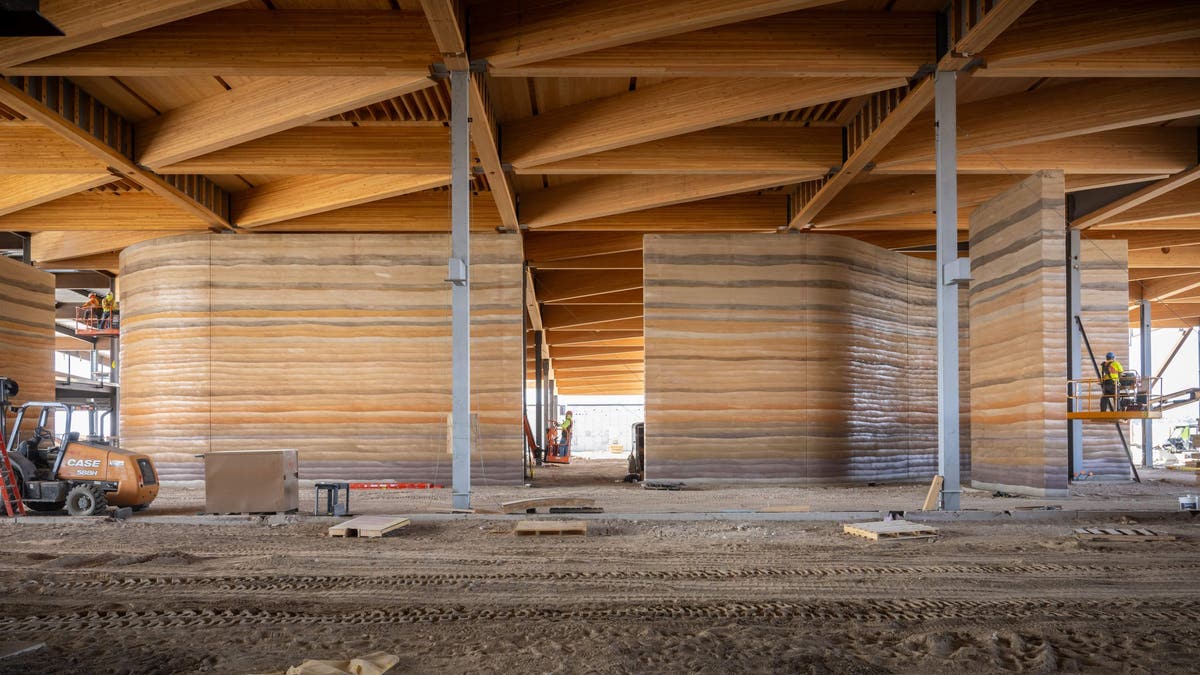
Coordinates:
86 500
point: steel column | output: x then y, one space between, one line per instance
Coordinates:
539 377
460 299
945 115
1146 367
1074 350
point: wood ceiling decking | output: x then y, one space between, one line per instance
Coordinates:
593 123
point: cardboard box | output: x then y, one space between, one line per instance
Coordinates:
251 481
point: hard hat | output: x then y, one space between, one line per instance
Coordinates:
1110 356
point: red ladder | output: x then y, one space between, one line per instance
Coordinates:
10 493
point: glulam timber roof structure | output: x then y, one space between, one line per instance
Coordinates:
594 122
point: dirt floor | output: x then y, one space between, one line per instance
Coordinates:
719 590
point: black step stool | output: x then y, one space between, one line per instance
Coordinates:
333 505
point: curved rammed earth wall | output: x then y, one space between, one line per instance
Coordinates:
335 345
806 358
27 333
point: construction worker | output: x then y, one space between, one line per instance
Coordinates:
565 427
89 310
109 305
1110 373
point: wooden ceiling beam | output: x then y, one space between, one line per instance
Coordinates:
61 106
885 198
668 109
1141 239
22 191
305 195
562 285
448 22
996 19
1178 256
1069 28
108 262
551 247
508 36
62 245
1147 274
735 213
1172 223
627 260
87 22
1162 289
582 337
104 211
1181 198
611 365
259 109
631 297
723 150
614 317
1168 59
28 147
329 150
808 43
908 222
1135 150
882 117
237 42
427 211
1050 113
1130 202
610 195
596 353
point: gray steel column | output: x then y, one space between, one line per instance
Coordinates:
460 300
1146 368
1074 349
539 432
946 122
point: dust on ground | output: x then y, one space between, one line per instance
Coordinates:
638 594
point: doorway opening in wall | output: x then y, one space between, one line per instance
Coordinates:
597 447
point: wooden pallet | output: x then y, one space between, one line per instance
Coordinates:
890 529
544 527
368 526
1120 534
532 505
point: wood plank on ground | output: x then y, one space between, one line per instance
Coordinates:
532 505
890 529
786 508
368 526
1120 534
931 498
546 527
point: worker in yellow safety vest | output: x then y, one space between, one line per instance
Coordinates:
1110 374
109 306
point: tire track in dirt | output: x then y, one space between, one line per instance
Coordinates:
275 583
875 611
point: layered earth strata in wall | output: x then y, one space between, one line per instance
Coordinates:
27 332
1104 308
1018 345
336 345
805 358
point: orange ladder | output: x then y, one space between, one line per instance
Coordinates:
10 492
